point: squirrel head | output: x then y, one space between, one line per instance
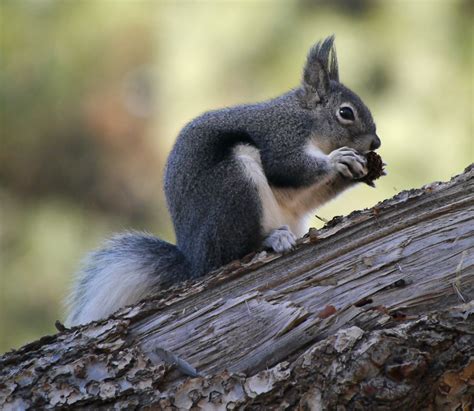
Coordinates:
340 117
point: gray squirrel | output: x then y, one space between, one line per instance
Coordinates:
236 180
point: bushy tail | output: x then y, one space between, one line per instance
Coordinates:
129 267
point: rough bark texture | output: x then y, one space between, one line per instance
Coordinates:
374 311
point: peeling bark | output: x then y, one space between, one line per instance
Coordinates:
374 311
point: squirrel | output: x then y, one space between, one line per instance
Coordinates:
239 179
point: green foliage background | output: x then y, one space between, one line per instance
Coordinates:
93 94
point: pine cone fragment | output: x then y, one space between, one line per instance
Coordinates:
375 166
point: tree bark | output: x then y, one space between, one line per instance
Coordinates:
374 311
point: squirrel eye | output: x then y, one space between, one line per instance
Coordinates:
346 113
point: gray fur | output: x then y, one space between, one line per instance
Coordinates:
108 278
236 175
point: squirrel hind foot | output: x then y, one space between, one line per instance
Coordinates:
280 240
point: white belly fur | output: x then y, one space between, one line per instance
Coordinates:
290 207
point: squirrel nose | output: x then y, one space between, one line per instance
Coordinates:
375 142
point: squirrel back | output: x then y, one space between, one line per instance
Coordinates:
236 180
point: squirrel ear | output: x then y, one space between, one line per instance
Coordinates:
321 67
315 81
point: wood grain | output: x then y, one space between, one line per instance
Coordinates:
320 328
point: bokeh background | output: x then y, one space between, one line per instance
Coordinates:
94 92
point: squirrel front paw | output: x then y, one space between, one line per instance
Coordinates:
280 240
349 163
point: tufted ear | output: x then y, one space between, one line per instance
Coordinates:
321 67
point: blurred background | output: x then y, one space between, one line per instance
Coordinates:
93 94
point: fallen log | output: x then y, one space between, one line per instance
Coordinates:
374 311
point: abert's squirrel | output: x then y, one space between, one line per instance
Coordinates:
238 179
